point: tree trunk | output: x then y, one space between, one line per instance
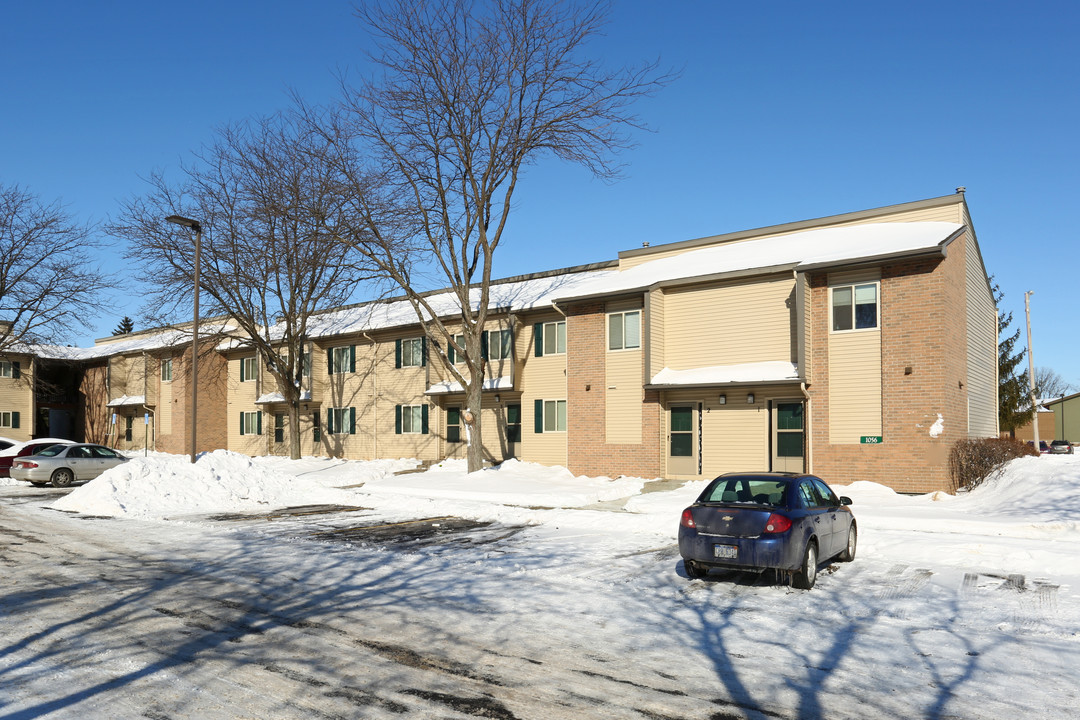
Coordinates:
475 448
294 429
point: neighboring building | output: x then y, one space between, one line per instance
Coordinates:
1047 421
1066 419
857 346
17 408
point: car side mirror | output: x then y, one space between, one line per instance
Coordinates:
845 500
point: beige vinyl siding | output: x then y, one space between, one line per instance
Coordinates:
728 323
242 396
399 386
622 397
492 417
16 395
163 415
127 375
982 367
652 332
854 386
736 438
540 378
804 361
360 390
951 212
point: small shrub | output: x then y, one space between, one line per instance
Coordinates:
972 461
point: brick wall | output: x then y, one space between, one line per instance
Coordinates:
923 326
588 451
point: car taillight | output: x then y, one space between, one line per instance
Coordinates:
26 464
777 524
687 519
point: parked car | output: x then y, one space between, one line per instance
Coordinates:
759 521
1044 447
22 449
1061 447
64 464
6 442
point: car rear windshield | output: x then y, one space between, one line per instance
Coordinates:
743 490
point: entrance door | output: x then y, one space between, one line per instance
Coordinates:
789 433
682 440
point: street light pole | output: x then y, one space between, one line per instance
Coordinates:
1031 373
193 225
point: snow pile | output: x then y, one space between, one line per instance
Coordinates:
160 487
511 483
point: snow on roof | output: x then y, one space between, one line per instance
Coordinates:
276 397
165 338
125 400
759 372
801 249
452 386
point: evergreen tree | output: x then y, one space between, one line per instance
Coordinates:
126 325
1014 392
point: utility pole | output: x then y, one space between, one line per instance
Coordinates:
1031 372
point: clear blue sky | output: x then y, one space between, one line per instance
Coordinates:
784 111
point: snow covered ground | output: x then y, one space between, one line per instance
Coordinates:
965 607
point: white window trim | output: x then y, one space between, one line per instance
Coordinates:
166 363
565 415
5 419
554 325
495 339
254 362
877 305
417 354
338 417
339 359
7 370
419 419
607 330
251 419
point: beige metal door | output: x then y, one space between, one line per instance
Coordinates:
789 436
683 450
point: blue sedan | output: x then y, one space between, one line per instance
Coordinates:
761 521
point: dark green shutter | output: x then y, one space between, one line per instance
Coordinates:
352 421
424 419
423 351
397 353
330 421
397 419
352 358
538 339
241 419
450 352
15 420
16 373
329 361
242 378
258 423
484 345
538 417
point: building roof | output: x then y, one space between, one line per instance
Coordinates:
799 251
741 374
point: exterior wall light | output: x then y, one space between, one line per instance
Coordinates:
750 399
723 399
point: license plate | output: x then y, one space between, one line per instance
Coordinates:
725 551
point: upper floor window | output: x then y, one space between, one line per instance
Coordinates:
624 330
249 368
411 352
8 369
854 307
453 355
499 344
166 370
342 359
554 338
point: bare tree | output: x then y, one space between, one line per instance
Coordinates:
470 93
49 283
271 211
1050 384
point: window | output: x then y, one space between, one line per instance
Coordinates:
513 423
129 423
279 427
499 344
5 369
9 419
342 359
410 353
305 363
624 330
789 429
251 423
249 368
341 421
411 419
551 338
316 427
166 370
855 307
549 416
452 355
453 425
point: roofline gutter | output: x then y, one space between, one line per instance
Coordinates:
733 383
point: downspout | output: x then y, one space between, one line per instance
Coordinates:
806 424
146 408
374 400
800 325
566 382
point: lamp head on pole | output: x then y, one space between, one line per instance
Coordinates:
184 222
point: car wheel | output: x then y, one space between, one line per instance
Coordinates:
695 569
806 576
849 551
62 477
